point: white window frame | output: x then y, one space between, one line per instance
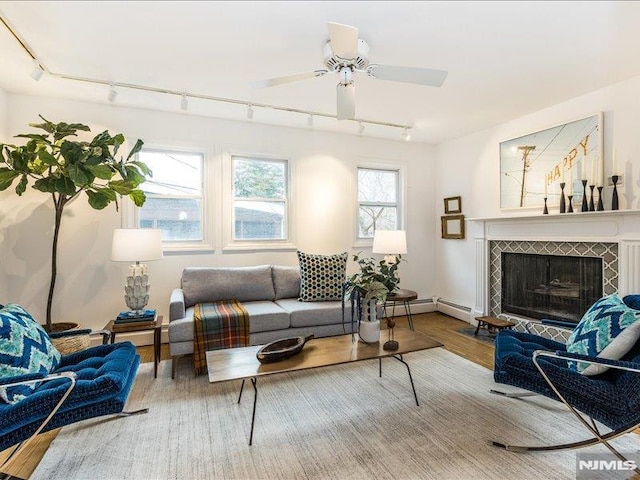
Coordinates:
231 244
400 198
207 213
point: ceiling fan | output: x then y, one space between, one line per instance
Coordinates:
346 54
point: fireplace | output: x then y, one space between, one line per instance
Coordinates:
607 252
550 286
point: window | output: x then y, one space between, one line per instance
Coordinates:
260 199
377 201
174 196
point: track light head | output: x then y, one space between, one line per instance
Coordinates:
360 127
113 94
405 134
37 71
310 120
184 102
249 112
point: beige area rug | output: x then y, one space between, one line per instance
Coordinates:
330 423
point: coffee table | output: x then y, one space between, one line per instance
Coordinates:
241 363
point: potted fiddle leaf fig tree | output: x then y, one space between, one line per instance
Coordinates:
64 168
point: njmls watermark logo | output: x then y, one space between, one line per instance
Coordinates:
592 466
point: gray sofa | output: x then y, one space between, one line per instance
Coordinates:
268 292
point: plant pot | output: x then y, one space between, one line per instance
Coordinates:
369 332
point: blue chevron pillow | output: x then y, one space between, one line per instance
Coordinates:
608 330
24 348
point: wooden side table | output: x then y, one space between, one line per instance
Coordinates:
404 297
156 326
493 322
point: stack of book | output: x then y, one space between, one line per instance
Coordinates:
137 318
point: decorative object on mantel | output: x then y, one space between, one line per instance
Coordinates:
592 207
585 204
563 207
64 168
136 245
532 163
570 209
614 196
545 211
600 204
453 205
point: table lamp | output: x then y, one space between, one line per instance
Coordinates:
136 245
392 243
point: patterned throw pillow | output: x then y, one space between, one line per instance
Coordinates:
321 276
608 330
25 348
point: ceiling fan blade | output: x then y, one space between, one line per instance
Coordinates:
346 96
344 40
421 76
272 82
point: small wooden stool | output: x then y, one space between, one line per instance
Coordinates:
493 322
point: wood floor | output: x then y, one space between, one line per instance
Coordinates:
438 326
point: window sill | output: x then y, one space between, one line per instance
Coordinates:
187 249
363 243
259 247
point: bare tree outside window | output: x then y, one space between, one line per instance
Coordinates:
377 201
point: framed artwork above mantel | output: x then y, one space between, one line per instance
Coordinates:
533 166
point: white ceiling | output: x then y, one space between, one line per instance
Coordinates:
505 59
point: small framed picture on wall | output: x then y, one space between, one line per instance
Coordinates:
453 226
453 205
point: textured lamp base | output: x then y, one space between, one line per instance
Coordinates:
136 290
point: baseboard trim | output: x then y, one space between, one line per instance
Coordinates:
453 309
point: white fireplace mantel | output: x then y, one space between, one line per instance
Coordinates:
620 226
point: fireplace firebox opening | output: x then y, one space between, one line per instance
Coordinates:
550 286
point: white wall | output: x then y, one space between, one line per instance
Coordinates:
469 167
3 138
89 288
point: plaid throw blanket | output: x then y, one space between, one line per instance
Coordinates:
218 325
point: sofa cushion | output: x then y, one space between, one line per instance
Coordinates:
25 348
286 281
212 284
607 330
307 314
266 316
321 276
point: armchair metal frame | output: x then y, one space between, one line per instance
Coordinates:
54 376
598 437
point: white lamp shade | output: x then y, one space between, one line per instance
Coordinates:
136 245
390 242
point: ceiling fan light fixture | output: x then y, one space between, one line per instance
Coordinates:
113 94
249 112
37 71
310 120
184 102
405 134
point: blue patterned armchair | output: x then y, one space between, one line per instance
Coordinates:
85 384
546 367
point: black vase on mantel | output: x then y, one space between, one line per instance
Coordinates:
563 205
614 196
600 207
585 204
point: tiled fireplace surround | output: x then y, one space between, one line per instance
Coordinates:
612 236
